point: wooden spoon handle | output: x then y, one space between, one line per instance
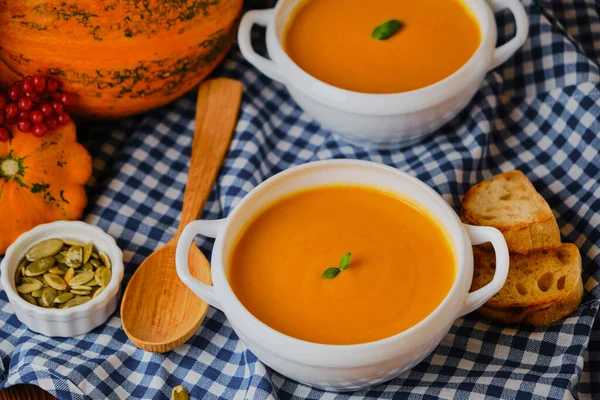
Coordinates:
216 117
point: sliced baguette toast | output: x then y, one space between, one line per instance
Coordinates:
542 287
537 316
510 203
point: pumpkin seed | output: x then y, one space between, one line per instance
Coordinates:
81 292
82 287
76 301
20 269
179 393
98 292
57 271
87 267
105 259
48 296
29 287
29 298
44 249
60 258
40 266
69 275
92 283
82 278
38 278
37 293
96 263
74 257
87 252
71 242
103 276
55 281
63 297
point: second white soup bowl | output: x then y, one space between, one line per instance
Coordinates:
342 367
382 120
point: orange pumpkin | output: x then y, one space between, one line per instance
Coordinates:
41 180
118 57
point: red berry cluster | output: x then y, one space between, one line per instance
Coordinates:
36 104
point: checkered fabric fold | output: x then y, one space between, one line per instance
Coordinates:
539 112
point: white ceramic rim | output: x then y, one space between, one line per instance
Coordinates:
391 103
459 246
112 289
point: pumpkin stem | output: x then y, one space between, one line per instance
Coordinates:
9 168
12 168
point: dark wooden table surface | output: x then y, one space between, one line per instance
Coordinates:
25 392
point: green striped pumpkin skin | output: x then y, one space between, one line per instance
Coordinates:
118 57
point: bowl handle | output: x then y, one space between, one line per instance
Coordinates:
504 52
206 228
483 234
264 65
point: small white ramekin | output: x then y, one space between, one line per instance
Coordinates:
65 322
382 120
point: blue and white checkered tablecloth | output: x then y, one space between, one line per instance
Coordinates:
539 113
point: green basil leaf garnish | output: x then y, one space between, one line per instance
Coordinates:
387 29
331 273
345 261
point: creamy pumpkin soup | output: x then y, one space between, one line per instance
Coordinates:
381 46
394 265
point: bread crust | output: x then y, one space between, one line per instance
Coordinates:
538 316
540 235
540 231
533 280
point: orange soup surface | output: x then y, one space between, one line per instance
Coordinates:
331 40
402 265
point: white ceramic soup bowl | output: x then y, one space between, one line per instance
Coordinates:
342 367
382 120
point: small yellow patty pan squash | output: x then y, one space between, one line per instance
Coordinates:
41 180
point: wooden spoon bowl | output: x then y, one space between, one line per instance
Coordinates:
171 324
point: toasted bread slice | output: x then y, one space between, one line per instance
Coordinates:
510 203
540 279
537 316
538 236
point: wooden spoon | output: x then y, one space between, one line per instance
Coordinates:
158 311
